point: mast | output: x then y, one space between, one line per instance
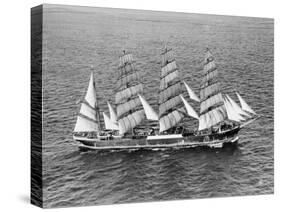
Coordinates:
88 117
129 110
171 109
212 109
96 103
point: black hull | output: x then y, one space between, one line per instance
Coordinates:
216 140
215 136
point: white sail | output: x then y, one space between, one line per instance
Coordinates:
124 59
167 56
88 117
190 111
129 122
128 92
191 94
168 79
210 66
231 112
244 105
209 89
237 107
167 93
128 106
88 112
91 96
170 104
212 118
170 67
211 76
112 113
128 76
170 120
84 124
109 124
202 123
210 102
149 112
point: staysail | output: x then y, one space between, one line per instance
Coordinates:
237 107
129 111
231 112
244 105
88 117
112 113
191 94
149 111
109 124
190 111
212 109
171 109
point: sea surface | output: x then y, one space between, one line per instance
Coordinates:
76 38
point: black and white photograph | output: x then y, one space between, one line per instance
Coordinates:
141 106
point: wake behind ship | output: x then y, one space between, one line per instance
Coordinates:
220 118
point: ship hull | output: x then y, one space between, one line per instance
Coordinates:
176 141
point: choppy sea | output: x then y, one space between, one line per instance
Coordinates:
75 38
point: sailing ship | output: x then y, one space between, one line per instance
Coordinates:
219 121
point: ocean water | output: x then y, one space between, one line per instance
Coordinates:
76 38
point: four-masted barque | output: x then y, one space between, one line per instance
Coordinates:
219 121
